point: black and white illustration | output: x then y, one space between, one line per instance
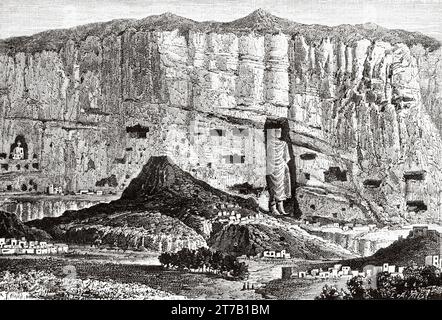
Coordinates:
199 149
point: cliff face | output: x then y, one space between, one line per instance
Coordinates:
28 208
361 105
362 243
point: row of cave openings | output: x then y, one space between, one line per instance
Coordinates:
336 174
411 178
331 175
140 132
24 187
220 134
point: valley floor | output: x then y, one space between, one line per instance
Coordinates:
143 268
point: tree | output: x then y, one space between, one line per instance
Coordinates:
204 257
217 260
418 283
240 270
184 258
165 259
356 287
332 293
388 286
195 259
228 263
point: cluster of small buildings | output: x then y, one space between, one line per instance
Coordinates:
422 231
251 285
340 271
228 214
85 191
53 189
276 254
14 246
358 227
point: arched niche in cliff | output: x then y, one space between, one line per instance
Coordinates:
19 142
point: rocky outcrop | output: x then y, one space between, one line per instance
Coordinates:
362 243
167 209
362 102
274 234
143 230
403 252
163 209
12 227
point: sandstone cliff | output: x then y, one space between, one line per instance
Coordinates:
361 105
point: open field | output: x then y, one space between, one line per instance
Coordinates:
143 268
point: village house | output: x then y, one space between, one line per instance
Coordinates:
422 231
361 228
434 260
346 270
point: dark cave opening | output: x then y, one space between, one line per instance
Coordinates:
308 156
416 205
372 183
414 175
137 131
335 174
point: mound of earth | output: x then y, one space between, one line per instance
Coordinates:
162 185
12 227
402 252
166 208
133 230
274 234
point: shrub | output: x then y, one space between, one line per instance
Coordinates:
332 293
418 283
356 287
187 259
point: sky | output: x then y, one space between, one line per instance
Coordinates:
26 17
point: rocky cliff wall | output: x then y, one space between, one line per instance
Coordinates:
362 243
28 208
361 103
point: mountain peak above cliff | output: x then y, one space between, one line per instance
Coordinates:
260 15
370 25
260 12
259 21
